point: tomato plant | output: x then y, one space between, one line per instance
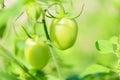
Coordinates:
35 34
37 50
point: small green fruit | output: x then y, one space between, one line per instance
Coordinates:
33 10
37 53
63 33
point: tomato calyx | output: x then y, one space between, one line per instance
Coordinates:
62 12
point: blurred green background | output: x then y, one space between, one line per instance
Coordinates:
100 19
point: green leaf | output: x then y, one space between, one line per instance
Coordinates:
104 46
107 60
95 68
102 76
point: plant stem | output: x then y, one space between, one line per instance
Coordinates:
55 62
45 26
12 57
79 13
19 16
51 48
27 32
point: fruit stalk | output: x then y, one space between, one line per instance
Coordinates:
45 26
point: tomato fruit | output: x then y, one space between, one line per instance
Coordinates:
63 33
33 10
37 53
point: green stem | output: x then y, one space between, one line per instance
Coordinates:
79 13
56 63
62 10
51 15
12 57
45 26
71 7
19 16
52 53
27 32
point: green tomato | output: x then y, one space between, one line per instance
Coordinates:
37 53
63 33
33 10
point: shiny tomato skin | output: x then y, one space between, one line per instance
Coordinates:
63 33
37 53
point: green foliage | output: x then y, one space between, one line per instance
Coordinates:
107 60
102 76
95 68
104 46
111 48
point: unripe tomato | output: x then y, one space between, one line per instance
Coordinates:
37 53
33 10
63 33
